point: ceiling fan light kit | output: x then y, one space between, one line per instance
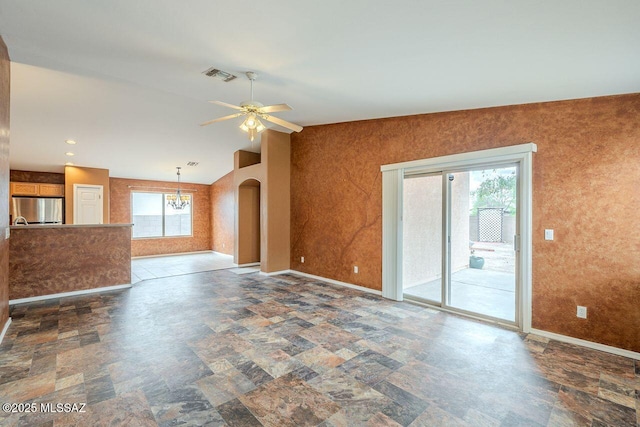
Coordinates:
252 125
254 112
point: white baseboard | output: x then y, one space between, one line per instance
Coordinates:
249 264
4 330
275 273
589 344
217 253
336 282
69 294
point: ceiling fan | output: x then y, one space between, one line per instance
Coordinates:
254 112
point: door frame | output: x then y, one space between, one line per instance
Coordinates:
392 193
446 243
76 204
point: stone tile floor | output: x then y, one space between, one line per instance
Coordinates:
218 348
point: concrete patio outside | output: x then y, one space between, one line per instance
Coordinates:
489 291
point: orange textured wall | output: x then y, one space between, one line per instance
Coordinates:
222 215
85 257
586 179
120 190
4 182
276 201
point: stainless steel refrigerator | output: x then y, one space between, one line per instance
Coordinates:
38 210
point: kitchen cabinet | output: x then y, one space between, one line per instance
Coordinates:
24 189
35 189
53 190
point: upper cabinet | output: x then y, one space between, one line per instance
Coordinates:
35 189
52 190
24 189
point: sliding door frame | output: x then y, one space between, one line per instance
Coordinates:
444 206
392 192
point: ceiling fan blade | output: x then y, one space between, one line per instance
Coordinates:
275 108
283 123
230 116
224 104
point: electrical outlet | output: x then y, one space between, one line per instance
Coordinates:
548 234
582 312
302 259
355 269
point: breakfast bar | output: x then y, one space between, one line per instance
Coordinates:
49 260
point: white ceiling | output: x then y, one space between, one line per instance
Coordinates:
124 78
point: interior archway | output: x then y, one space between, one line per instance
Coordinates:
248 246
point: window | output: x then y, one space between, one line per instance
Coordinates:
152 217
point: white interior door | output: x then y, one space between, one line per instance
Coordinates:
87 204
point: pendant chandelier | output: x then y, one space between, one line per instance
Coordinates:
177 201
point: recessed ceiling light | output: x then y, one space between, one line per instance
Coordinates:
70 141
69 153
68 164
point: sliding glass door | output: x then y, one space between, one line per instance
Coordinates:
422 236
458 240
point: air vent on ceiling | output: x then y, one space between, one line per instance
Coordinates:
222 75
193 163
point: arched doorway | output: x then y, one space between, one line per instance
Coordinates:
248 246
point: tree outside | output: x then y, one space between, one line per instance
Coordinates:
496 190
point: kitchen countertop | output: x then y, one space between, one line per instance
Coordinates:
21 226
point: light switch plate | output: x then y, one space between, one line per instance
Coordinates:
7 233
548 234
582 312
